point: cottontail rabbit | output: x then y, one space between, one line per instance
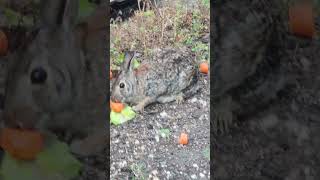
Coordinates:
245 75
170 75
47 87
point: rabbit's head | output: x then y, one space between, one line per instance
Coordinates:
124 86
45 76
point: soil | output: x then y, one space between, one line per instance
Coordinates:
283 140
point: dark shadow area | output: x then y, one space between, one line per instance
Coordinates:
265 91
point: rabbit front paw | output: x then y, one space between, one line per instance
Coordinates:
138 108
223 115
222 119
142 104
179 98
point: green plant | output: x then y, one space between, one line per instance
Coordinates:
173 25
139 170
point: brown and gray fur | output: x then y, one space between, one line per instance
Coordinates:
247 71
170 75
72 99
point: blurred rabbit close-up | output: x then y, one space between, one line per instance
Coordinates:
50 78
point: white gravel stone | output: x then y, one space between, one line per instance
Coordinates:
154 172
193 100
195 166
201 175
157 138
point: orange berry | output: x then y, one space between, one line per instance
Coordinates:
21 144
301 19
204 67
116 107
183 139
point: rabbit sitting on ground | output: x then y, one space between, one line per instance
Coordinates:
170 75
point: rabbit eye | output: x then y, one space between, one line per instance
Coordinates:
38 75
121 85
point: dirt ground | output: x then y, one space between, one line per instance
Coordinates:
138 151
282 141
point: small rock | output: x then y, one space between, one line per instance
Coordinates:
201 175
193 176
193 100
157 138
136 142
195 166
123 164
154 172
163 114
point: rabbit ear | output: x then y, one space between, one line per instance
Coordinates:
49 11
128 65
70 13
59 12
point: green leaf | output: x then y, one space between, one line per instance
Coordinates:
10 167
119 118
164 133
136 64
57 158
12 16
85 8
206 153
148 13
128 112
55 162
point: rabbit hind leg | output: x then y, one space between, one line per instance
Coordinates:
179 98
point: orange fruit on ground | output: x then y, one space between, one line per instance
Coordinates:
21 144
204 67
183 139
116 107
3 43
301 19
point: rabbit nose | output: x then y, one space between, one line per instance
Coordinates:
24 118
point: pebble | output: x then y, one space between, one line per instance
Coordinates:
136 142
157 138
203 103
154 172
163 114
193 176
201 175
123 164
195 166
193 100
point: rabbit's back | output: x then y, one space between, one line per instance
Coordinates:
170 70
